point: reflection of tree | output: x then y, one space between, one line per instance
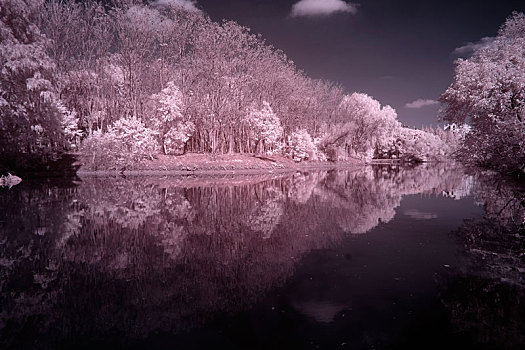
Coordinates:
266 217
132 256
496 243
31 220
128 206
494 277
503 199
359 202
363 198
302 185
492 313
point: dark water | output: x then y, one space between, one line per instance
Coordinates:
373 258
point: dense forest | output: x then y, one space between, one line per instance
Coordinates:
119 82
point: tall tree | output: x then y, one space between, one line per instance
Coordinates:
489 93
30 119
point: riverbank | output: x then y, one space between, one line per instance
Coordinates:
195 163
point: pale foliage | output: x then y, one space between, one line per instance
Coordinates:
364 125
371 131
266 127
69 122
134 137
29 119
419 146
115 73
127 141
200 86
300 146
176 138
99 150
168 119
169 105
461 130
489 93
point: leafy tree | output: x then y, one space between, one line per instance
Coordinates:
128 141
414 145
175 139
169 121
300 146
30 120
69 123
266 128
362 126
133 137
489 93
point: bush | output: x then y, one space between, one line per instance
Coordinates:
300 146
127 142
175 139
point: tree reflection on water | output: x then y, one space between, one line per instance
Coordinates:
129 257
486 298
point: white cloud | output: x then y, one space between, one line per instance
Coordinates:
188 5
311 8
420 103
470 47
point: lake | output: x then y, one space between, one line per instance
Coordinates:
377 257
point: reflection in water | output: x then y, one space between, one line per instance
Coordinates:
490 311
486 300
498 240
130 256
420 215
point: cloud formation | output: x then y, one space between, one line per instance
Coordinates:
188 5
312 8
470 47
420 103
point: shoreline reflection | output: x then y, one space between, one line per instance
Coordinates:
131 257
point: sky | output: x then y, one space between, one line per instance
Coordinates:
400 52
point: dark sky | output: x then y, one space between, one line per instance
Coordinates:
396 51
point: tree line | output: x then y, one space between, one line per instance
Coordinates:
122 81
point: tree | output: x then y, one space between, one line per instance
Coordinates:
127 142
133 138
362 126
169 121
30 120
266 128
489 93
412 145
300 146
81 39
80 32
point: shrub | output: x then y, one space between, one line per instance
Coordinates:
126 142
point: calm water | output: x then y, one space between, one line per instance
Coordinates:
373 258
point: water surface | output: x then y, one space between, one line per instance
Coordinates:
360 259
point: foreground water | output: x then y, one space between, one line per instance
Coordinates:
369 258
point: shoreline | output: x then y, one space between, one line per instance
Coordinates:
207 165
227 164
